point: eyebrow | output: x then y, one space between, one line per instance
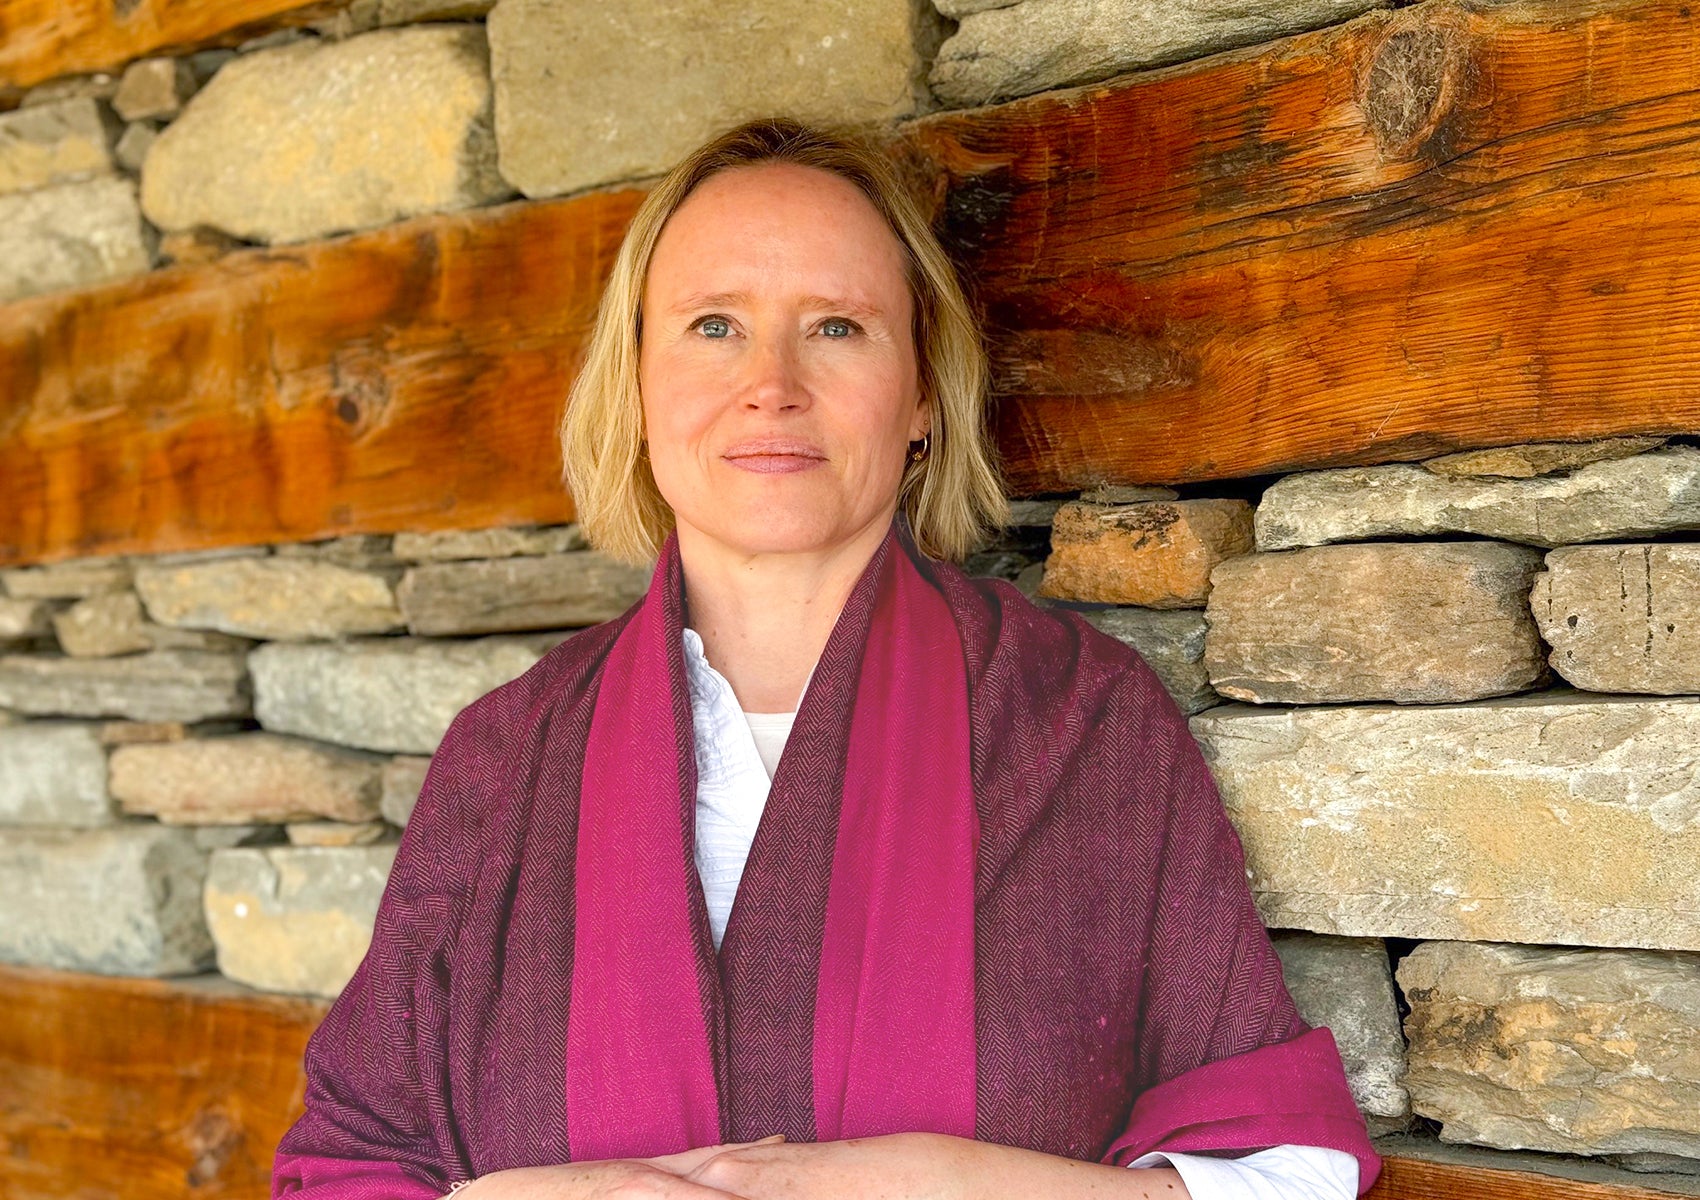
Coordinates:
856 308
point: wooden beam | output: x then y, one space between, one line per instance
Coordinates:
138 1089
42 39
407 378
1438 227
1444 226
1418 1179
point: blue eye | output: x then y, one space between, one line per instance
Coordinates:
836 323
715 327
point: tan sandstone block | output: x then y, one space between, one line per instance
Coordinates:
645 81
1538 458
1158 555
314 138
1569 1051
54 143
244 779
1557 817
1412 622
278 599
1623 618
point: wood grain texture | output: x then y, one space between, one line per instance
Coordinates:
1449 225
409 378
42 39
1416 1179
142 1089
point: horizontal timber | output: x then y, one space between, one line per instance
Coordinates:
43 39
141 1089
144 1089
1444 226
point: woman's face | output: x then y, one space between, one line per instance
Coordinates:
777 364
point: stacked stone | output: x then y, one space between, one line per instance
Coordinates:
206 757
1466 700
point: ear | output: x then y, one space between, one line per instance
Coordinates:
921 423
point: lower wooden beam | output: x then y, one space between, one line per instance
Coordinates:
141 1089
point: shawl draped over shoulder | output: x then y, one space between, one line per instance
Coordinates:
994 893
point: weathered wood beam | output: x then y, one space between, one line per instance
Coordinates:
1418 1179
407 378
1448 225
141 1089
41 39
1439 227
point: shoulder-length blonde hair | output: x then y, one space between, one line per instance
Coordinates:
952 498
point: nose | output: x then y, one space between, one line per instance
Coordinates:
775 377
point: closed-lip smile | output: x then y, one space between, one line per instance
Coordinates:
774 455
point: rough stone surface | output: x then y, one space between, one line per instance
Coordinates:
161 685
1623 618
406 12
1658 492
1158 555
222 837
53 773
1412 622
1570 1051
648 80
55 143
112 623
71 579
315 138
1346 985
554 591
336 833
24 620
1041 44
295 918
1539 458
196 246
248 778
275 598
359 551
451 545
1033 514
133 146
70 235
396 694
135 733
1171 642
1116 493
154 87
125 900
98 85
404 775
1554 818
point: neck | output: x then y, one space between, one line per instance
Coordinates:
765 618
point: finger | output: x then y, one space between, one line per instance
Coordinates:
686 1161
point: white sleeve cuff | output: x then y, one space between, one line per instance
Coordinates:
1279 1173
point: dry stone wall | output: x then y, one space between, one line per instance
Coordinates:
1452 707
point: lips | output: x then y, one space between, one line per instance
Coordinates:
768 456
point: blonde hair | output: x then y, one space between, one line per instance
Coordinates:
952 498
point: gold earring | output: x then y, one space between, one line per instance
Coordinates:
926 447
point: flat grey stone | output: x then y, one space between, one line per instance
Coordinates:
1037 45
1172 642
1033 514
553 591
124 900
71 235
1558 818
295 918
404 776
71 579
48 144
1411 622
336 833
1346 985
451 545
134 144
1566 1051
23 621
160 685
1538 458
112 623
273 598
245 778
646 81
53 773
317 137
154 88
358 551
94 85
1657 492
395 694
1623 618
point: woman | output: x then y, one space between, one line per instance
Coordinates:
993 934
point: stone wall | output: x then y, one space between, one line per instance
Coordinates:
1452 706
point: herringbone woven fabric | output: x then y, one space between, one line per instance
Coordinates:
1117 948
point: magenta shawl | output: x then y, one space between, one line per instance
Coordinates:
994 893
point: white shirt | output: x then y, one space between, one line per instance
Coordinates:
736 755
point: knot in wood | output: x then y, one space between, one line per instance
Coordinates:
1408 90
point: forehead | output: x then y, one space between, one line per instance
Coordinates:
778 228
